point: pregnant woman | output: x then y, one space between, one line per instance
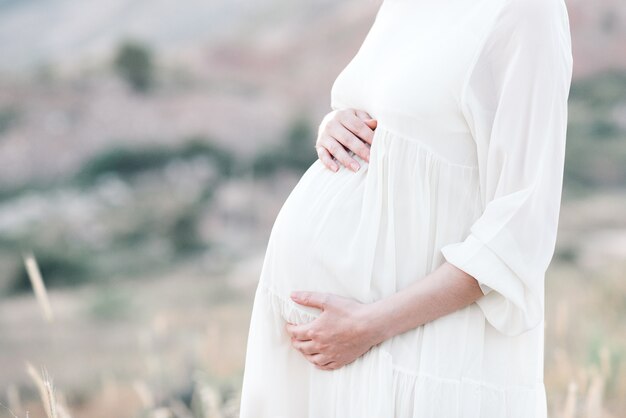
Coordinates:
413 285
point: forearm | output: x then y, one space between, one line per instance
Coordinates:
439 293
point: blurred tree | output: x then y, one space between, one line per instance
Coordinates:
8 119
296 153
134 62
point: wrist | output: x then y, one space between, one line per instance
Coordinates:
377 321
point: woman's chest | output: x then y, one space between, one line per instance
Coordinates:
414 60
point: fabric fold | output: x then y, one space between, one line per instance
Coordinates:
373 386
516 103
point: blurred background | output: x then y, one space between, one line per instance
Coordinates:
145 150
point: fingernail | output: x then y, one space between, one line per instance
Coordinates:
294 295
335 168
355 167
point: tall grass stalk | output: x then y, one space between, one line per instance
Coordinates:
34 274
46 390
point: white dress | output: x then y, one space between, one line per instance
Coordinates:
466 166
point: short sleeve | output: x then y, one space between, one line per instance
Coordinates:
515 103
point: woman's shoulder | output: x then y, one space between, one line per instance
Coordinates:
533 18
534 11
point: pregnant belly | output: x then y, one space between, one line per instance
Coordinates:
322 235
366 235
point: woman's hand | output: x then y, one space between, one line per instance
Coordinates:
344 130
342 333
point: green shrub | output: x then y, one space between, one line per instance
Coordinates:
600 91
134 63
567 254
126 162
184 232
603 129
223 158
596 150
110 304
57 269
8 118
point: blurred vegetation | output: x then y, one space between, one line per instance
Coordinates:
144 230
183 230
164 192
296 152
145 233
596 151
8 118
135 63
126 161
110 304
60 268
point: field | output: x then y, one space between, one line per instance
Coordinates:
175 342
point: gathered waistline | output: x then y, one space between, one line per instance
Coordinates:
423 146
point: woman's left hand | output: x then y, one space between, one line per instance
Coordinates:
343 332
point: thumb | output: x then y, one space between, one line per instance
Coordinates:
371 123
314 299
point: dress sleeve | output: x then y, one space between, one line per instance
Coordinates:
515 103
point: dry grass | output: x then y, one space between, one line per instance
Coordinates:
39 287
121 399
584 377
585 342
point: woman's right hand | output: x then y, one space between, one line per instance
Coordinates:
341 131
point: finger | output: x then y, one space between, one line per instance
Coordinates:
329 366
347 114
313 299
358 127
371 123
350 141
318 359
338 151
300 332
305 347
326 158
362 114
289 329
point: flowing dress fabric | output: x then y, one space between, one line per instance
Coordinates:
466 166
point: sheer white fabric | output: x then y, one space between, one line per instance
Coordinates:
516 105
466 166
